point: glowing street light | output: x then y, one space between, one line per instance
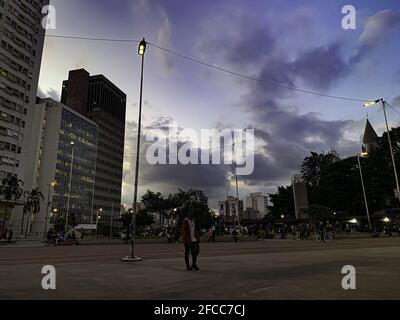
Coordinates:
370 104
132 257
364 155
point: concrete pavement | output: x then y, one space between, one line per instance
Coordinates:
278 269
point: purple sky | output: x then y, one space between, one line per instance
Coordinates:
296 43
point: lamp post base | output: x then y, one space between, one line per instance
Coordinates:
131 259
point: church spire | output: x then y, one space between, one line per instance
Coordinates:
370 139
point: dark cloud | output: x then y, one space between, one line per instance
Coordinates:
321 67
377 29
396 102
287 135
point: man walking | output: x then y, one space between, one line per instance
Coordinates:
191 239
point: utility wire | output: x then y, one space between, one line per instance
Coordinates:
263 82
91 38
268 83
393 109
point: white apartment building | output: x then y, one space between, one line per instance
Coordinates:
21 46
258 201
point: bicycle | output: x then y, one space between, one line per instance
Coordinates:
324 236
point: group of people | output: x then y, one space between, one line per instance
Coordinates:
55 238
7 235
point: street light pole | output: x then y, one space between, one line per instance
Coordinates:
51 185
132 257
70 186
112 220
365 194
369 104
237 220
97 220
391 150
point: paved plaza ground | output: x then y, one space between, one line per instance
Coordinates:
277 269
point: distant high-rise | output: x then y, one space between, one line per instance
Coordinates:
21 47
258 201
199 196
230 208
370 139
300 195
104 103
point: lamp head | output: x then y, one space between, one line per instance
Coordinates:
142 47
372 103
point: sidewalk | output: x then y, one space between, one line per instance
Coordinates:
106 241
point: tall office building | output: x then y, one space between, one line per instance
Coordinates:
258 201
101 101
64 152
21 46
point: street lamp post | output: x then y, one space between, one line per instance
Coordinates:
237 220
363 187
97 219
70 185
132 257
369 104
51 187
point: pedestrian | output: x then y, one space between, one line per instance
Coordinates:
214 234
191 240
10 236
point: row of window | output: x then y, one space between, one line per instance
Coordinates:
110 156
109 165
15 79
6 117
30 12
19 42
12 105
6 161
19 55
12 91
19 29
7 132
104 172
9 147
31 26
108 190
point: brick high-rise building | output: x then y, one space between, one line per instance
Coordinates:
101 101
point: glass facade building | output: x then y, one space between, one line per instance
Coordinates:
74 128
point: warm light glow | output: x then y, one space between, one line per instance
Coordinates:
53 184
175 210
282 216
354 221
100 210
55 210
371 103
142 47
386 219
72 143
364 154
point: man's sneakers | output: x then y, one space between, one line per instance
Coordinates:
195 267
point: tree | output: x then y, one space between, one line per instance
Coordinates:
314 165
283 202
11 189
318 212
32 204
